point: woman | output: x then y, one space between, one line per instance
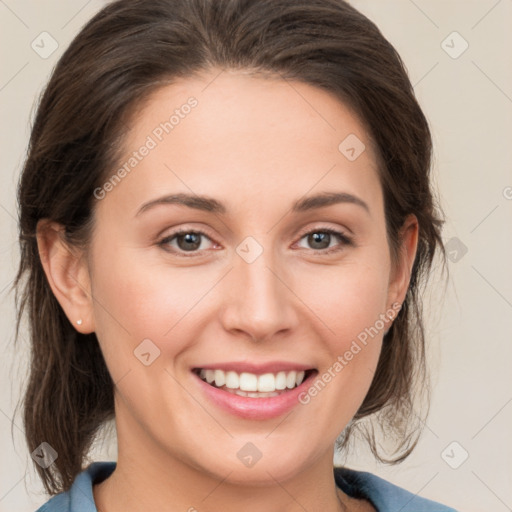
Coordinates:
225 216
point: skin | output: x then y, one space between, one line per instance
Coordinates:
256 145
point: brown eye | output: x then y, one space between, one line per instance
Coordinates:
184 241
189 241
321 239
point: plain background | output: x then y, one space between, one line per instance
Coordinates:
467 97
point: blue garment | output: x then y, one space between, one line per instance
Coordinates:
384 496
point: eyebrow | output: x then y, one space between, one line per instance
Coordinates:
209 204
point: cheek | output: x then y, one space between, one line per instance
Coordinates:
134 302
350 303
347 299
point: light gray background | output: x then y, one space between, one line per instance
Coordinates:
468 101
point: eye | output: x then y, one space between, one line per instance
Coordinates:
191 241
183 241
320 240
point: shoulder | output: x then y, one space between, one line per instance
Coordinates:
80 498
384 495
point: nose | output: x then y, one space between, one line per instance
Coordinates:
259 302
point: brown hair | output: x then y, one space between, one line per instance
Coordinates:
124 54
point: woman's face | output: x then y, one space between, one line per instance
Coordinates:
256 286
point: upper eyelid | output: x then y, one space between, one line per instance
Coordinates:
338 230
201 231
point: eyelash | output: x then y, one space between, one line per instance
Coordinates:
345 241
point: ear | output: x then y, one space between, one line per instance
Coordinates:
67 273
402 268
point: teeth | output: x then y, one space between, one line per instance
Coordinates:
251 395
220 378
247 382
291 377
281 381
266 382
253 385
232 380
210 376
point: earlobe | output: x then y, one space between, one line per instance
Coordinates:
401 275
67 273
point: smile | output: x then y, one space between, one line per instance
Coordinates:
254 392
253 385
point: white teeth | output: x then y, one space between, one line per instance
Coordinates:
220 378
266 382
251 384
232 380
251 395
248 382
281 381
290 380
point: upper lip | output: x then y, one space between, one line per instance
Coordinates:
256 368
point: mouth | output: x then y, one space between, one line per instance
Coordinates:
254 385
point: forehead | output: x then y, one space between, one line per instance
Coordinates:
228 131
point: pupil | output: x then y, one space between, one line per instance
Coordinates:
189 238
320 238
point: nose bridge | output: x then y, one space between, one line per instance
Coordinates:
260 303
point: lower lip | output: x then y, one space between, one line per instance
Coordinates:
255 408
